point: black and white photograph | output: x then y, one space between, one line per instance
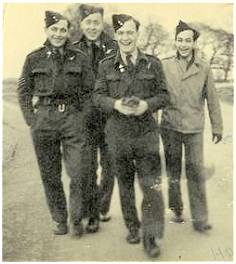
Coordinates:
117 131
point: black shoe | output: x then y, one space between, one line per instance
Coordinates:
133 236
178 218
93 225
150 247
77 229
104 217
202 228
60 229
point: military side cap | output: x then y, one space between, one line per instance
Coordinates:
182 26
86 10
119 20
52 17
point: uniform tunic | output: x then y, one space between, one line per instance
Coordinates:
62 84
134 138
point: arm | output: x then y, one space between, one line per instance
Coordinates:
101 97
88 81
213 107
161 99
25 92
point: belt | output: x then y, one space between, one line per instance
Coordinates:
60 103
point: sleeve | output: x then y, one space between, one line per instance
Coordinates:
161 99
25 92
101 96
213 104
88 81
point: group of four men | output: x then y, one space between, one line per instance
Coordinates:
98 93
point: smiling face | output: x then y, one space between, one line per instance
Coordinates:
184 43
127 37
92 26
58 33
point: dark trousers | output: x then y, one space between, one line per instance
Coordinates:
58 135
98 197
193 145
140 154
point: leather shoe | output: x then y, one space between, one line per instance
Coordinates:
60 229
93 225
77 229
133 236
178 218
202 228
150 247
104 217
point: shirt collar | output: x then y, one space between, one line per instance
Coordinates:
140 56
134 56
195 59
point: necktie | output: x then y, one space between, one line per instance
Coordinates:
130 64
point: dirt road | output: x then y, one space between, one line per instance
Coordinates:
26 222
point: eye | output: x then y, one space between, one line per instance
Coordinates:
63 30
119 33
96 23
53 29
188 40
130 32
88 22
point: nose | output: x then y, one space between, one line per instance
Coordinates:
57 33
92 26
125 36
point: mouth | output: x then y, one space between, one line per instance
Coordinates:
92 32
126 44
184 50
58 39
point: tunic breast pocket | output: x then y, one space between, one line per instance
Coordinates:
73 76
42 81
146 85
113 84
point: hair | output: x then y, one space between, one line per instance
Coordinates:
195 35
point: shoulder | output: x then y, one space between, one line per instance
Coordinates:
166 59
153 61
108 60
152 58
79 51
202 63
37 52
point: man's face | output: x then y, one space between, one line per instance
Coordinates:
127 37
184 43
58 33
92 26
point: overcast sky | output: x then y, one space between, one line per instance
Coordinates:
23 25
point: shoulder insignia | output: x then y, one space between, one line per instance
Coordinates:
108 58
79 51
36 50
75 42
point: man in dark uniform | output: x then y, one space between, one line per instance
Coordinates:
130 87
97 45
60 78
190 85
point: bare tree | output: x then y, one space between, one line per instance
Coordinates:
154 36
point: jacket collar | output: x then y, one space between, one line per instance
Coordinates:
194 65
119 61
103 39
69 50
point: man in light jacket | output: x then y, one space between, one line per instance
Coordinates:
190 84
